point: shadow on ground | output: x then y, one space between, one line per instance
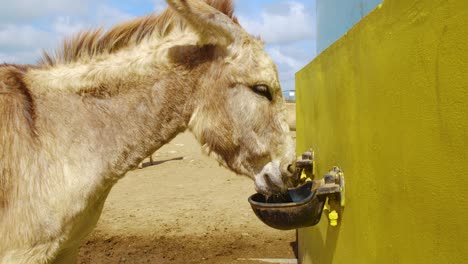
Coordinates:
158 162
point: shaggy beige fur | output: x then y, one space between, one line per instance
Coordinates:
72 126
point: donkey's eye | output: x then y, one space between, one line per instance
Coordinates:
263 90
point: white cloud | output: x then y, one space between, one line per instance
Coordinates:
289 59
278 56
160 5
19 37
23 43
288 28
284 23
287 66
29 56
108 16
64 26
27 10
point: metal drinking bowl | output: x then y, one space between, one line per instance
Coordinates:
300 207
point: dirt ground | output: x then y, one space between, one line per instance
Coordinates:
184 209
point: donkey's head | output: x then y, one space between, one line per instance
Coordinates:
240 113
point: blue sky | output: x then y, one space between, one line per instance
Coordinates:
29 26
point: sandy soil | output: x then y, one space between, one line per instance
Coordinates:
291 117
184 209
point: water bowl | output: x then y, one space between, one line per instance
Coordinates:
299 207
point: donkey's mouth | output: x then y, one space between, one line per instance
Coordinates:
270 179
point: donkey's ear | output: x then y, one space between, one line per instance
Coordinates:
213 26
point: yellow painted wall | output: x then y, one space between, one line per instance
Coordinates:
388 103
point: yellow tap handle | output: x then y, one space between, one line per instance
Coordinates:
305 177
333 217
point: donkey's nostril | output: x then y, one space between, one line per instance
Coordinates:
291 176
288 170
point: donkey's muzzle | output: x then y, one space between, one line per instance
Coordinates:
270 180
291 173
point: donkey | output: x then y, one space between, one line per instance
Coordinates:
73 125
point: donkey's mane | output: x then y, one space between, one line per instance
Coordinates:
88 44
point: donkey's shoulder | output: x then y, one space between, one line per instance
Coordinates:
11 78
16 100
16 126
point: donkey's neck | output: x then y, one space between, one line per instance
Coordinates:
134 104
106 74
142 122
